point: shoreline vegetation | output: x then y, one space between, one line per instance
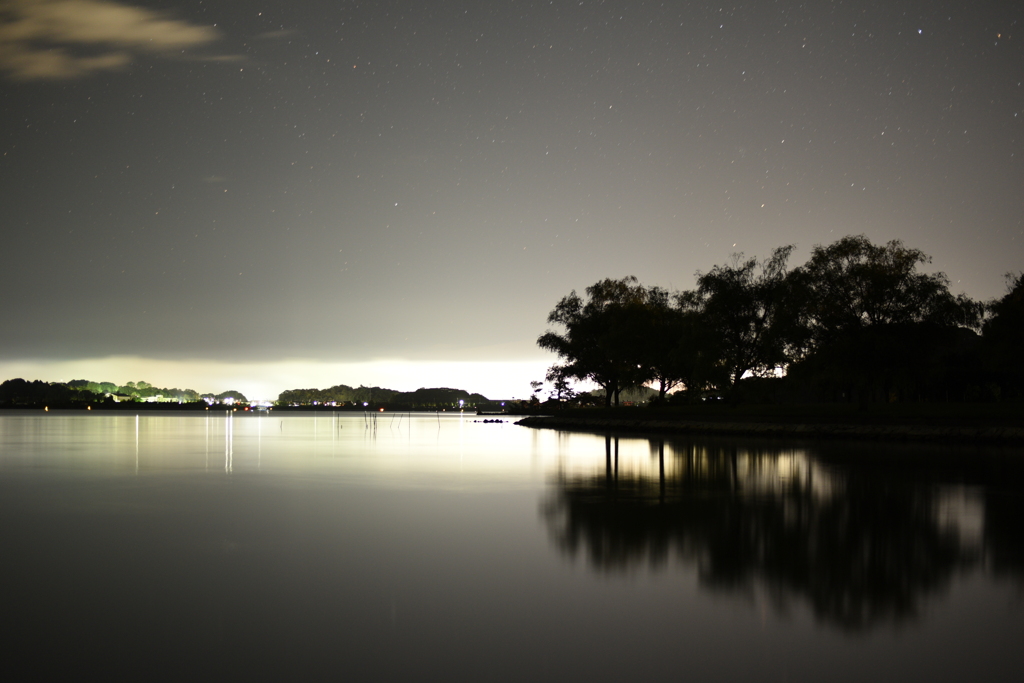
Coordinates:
857 323
856 343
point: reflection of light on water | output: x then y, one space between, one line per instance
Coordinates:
757 472
229 441
785 466
961 511
777 474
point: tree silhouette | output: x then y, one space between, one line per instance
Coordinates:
1004 338
604 334
745 305
875 327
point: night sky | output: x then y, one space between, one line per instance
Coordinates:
269 195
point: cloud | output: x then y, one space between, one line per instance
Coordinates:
58 39
214 58
280 34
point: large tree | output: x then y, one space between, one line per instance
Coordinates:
1004 338
853 283
747 308
604 334
694 356
874 323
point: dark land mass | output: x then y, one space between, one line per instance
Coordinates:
965 423
127 406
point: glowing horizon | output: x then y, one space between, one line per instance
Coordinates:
265 381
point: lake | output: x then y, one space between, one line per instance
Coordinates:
406 547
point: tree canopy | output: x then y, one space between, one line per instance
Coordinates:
858 321
1004 339
853 283
604 334
747 304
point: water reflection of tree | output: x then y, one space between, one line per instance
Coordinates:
997 475
860 547
1004 508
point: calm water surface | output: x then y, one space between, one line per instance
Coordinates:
398 547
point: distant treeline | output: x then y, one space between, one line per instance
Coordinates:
857 322
344 395
20 392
